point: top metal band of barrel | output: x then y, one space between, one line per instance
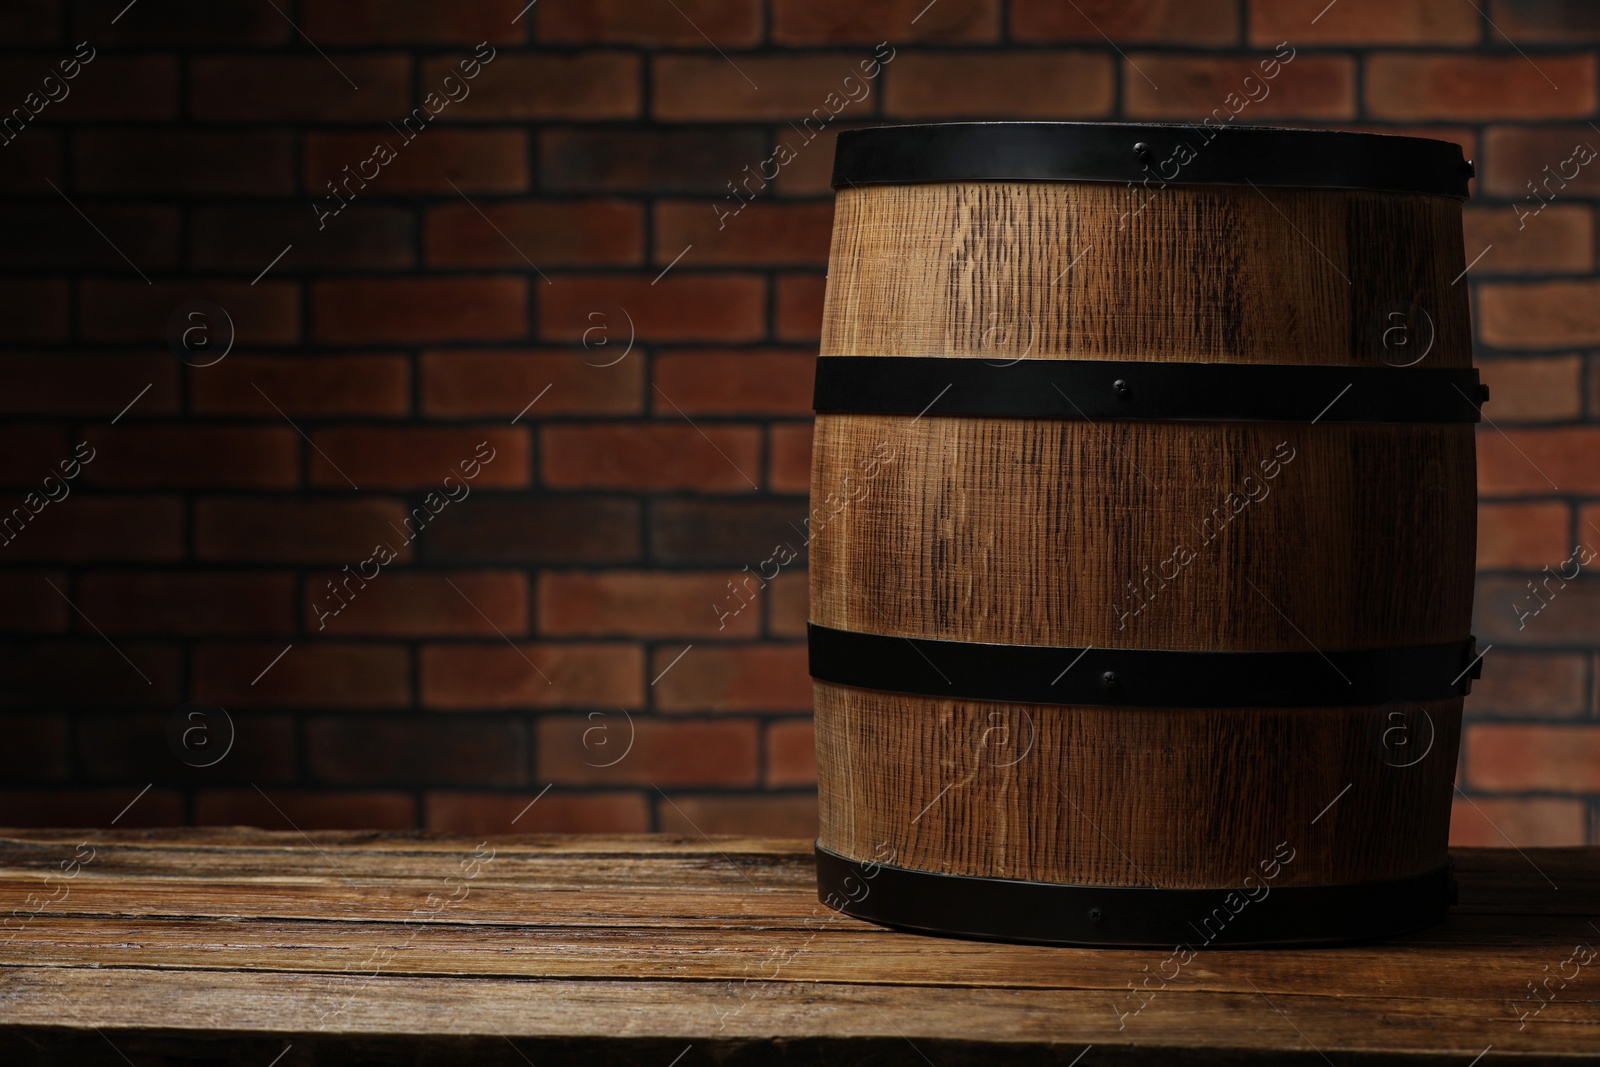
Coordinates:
1135 389
1150 155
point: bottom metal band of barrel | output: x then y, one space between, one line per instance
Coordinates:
1003 909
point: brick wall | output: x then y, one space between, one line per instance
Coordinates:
543 292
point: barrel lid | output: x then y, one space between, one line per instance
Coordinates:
1155 154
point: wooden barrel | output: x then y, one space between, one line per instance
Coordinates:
1142 532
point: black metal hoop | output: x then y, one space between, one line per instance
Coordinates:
1149 155
1143 389
1261 913
1120 677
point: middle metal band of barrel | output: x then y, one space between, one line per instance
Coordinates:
1046 674
1144 389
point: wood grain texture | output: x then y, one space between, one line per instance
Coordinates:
1164 797
1082 270
1152 535
171 946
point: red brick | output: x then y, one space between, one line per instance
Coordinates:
546 85
528 528
181 22
37 749
791 753
1525 163
534 813
1532 388
191 602
1541 20
799 307
1503 822
541 232
305 809
743 531
371 749
1556 314
172 161
727 23
248 238
992 84
1559 238
421 457
720 382
792 86
788 605
732 231
1512 462
313 384
476 161
1526 535
415 22
267 313
83 806
833 22
30 451
29 605
1401 86
358 310
484 676
789 457
189 456
32 310
55 235
120 747
32 163
1192 87
1364 22
651 455
103 529
295 529
1516 756
810 171
652 160
30 22
416 603
637 604
321 674
466 381
109 87
1209 22
742 678
1589 522
662 753
95 384
678 307
783 815
89 673
1531 685
1538 608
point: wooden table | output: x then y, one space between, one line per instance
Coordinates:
208 945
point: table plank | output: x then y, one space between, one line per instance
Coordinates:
208 1002
846 951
